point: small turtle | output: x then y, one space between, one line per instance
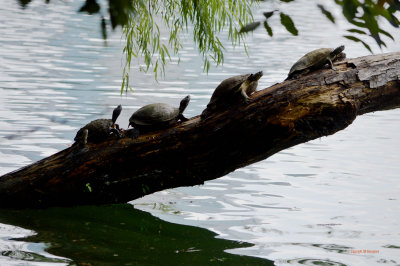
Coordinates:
315 60
99 130
158 115
231 90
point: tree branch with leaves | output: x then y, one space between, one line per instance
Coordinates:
142 21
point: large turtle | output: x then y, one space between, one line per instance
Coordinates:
99 130
231 90
158 115
315 60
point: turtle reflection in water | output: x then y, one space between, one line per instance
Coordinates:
315 60
99 130
157 116
231 91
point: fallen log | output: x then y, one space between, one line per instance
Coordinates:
189 153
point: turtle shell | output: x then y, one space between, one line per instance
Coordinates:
98 131
227 87
154 114
316 58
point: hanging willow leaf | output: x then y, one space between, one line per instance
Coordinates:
355 39
350 8
269 14
103 28
357 31
386 33
358 23
288 23
120 11
91 7
372 24
388 14
326 13
268 28
395 4
24 3
250 27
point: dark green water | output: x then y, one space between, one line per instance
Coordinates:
120 235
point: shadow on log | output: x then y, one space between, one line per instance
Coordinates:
278 117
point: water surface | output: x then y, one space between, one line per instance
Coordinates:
317 203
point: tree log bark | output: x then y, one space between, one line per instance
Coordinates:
281 116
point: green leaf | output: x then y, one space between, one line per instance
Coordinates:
386 33
358 23
395 4
103 28
289 24
145 189
91 7
120 12
326 13
268 28
355 39
269 14
357 31
372 24
88 187
350 8
250 27
352 38
367 46
388 14
122 85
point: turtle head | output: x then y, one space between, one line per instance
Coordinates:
184 103
337 51
116 113
255 76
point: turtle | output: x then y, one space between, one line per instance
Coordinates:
231 90
99 130
315 60
158 115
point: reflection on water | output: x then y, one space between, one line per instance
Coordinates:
117 235
314 204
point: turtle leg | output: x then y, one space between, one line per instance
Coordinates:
298 74
246 98
132 133
331 64
115 131
182 118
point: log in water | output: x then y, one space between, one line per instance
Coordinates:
189 153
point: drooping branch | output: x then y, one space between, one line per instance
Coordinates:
278 117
